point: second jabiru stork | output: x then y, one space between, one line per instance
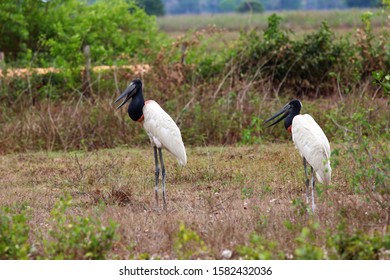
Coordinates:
160 127
311 142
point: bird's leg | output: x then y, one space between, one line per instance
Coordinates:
163 178
307 180
313 205
157 172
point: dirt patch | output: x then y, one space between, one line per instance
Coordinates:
23 72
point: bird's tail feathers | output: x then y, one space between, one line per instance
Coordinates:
182 162
182 159
324 174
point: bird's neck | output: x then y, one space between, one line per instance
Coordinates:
136 106
289 119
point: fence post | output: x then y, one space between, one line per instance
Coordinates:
184 46
2 67
87 85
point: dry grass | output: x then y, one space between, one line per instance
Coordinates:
224 194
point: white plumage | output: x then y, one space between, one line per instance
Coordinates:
163 131
160 127
313 145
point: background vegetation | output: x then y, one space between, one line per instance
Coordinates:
218 6
57 111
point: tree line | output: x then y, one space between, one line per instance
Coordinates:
221 6
172 7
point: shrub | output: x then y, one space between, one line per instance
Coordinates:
306 249
259 248
75 237
372 53
312 65
382 80
14 234
358 245
188 244
363 130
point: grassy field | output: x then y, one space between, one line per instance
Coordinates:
77 177
298 21
218 201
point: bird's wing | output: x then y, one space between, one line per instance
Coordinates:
163 131
312 143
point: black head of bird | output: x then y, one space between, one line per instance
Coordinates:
288 112
160 127
134 92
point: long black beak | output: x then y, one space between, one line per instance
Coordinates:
128 93
284 111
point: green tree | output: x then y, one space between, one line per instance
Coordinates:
56 30
250 6
13 27
290 4
271 4
20 25
104 26
363 3
229 5
184 7
152 7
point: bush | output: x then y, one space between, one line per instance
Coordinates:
383 80
341 245
358 245
258 249
363 130
306 249
70 237
188 244
74 237
313 65
14 234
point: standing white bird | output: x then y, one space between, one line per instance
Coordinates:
310 141
160 127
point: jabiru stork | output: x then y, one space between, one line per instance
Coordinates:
310 141
160 127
